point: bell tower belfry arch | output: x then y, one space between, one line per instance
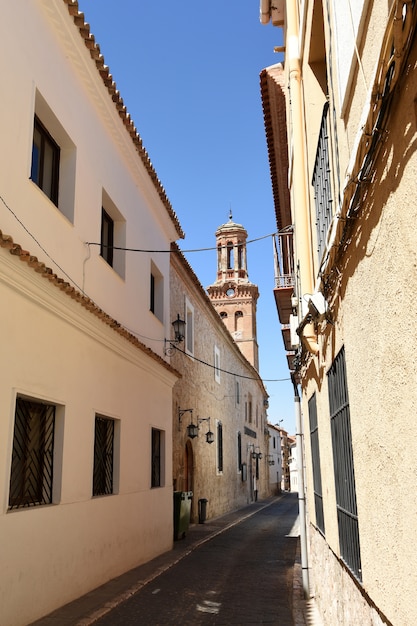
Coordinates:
233 295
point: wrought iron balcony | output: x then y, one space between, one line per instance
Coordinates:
284 273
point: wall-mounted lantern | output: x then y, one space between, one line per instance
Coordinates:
193 429
179 334
256 452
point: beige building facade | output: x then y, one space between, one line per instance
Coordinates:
219 392
86 402
344 102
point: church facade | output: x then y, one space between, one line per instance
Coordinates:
220 391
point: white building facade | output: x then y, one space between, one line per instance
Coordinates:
274 459
86 403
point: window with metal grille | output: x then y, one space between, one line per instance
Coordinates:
219 447
103 456
45 161
347 514
32 457
156 458
322 184
315 454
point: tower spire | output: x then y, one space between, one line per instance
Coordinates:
233 295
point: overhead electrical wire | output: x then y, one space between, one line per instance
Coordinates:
95 243
129 330
219 369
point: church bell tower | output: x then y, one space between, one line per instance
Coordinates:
233 295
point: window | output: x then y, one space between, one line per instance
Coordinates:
238 321
223 315
189 327
32 457
240 255
239 451
103 456
53 158
322 184
230 258
347 515
156 293
107 237
157 458
45 161
219 447
250 408
237 392
113 235
315 454
216 364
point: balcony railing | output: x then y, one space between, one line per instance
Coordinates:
284 260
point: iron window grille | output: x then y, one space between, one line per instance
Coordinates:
322 184
347 514
103 456
107 237
156 458
31 474
45 161
315 454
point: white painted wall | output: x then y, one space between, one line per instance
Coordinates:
51 59
57 351
274 451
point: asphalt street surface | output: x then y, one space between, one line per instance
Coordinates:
242 576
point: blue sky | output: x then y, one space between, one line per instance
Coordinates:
189 76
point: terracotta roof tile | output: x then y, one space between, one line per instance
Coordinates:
94 49
274 109
6 241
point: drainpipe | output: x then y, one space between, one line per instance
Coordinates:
301 490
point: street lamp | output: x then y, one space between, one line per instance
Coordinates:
179 334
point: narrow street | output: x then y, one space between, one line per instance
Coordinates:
243 575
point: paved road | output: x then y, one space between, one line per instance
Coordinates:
242 576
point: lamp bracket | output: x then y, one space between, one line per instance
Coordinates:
182 411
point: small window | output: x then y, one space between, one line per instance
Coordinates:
113 235
53 161
239 451
238 321
223 315
249 408
157 458
107 237
32 457
216 364
237 392
45 161
156 305
230 259
219 447
189 328
103 456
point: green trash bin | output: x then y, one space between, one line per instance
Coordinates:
182 512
